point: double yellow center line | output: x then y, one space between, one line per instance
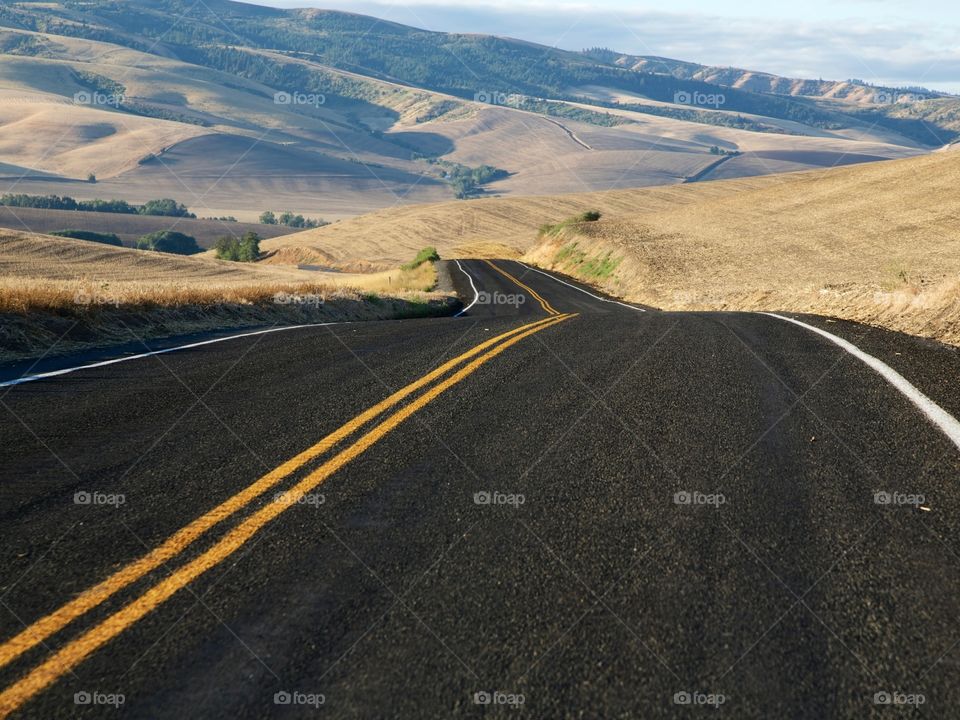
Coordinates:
75 651
543 303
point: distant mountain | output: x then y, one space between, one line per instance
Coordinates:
458 64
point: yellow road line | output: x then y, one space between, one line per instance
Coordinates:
543 303
176 543
74 652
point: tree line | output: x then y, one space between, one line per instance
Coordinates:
165 207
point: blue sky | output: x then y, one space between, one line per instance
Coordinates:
889 42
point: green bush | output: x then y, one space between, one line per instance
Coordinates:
245 249
168 241
428 254
585 217
165 207
105 238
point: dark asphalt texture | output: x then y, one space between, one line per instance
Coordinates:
597 597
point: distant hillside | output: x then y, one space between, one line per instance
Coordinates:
930 117
235 109
461 65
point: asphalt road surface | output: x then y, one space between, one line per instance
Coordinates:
552 506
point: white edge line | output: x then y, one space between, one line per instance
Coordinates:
948 424
476 293
103 363
563 282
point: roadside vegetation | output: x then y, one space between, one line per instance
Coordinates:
428 254
576 261
875 244
585 217
49 299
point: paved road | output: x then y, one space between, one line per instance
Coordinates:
590 509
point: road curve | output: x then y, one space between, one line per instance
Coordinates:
555 505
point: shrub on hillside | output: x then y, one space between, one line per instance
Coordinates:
166 207
105 238
428 254
168 241
584 217
245 249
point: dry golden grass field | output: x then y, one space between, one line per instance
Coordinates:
39 272
874 243
59 295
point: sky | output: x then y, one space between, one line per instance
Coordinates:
886 42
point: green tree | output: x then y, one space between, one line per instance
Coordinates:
249 247
246 249
227 248
168 241
165 207
105 238
268 218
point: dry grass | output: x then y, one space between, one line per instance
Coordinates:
423 278
397 234
24 296
877 243
484 249
39 273
59 295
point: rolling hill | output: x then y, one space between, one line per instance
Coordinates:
876 243
234 108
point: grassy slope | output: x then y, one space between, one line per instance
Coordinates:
455 227
878 243
59 295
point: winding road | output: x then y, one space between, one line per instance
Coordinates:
555 505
